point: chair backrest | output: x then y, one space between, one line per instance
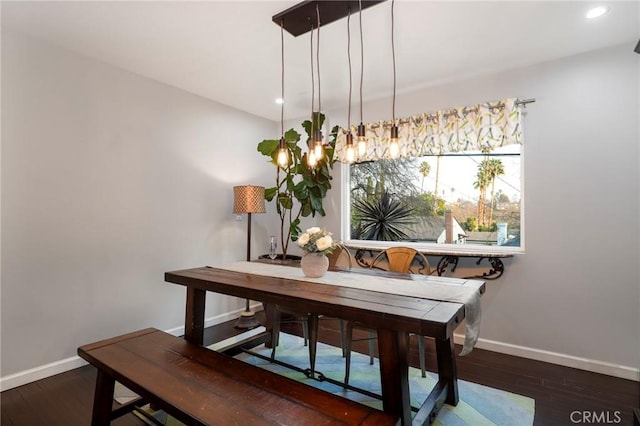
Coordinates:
339 256
400 259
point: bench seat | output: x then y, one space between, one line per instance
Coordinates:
201 387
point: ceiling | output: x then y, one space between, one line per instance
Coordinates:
229 51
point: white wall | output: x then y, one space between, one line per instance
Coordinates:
109 180
576 291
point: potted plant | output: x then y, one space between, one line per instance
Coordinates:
300 188
317 244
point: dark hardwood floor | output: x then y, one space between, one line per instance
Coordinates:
66 399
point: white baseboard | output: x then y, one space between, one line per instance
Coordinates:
33 374
219 319
42 372
601 367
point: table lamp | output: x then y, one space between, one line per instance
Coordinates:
248 199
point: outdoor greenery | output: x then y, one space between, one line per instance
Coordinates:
299 189
382 219
387 196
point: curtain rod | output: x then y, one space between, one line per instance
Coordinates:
526 101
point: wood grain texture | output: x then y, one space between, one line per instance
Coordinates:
396 312
200 386
392 315
66 399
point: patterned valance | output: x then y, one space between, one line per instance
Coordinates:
482 127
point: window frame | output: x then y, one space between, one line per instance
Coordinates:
428 248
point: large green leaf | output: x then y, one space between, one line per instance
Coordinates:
285 201
269 193
294 229
305 209
316 202
268 147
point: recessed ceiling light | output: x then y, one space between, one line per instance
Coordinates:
596 12
279 101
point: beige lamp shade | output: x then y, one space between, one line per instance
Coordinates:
248 199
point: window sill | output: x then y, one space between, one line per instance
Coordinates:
462 250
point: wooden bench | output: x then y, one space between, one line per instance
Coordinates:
201 387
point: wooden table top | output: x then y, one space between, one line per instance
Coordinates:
411 314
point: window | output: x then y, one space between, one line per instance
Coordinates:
451 200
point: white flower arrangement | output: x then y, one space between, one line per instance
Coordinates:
316 240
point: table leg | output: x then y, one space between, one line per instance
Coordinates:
194 318
394 373
447 370
103 400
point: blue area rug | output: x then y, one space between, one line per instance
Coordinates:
479 405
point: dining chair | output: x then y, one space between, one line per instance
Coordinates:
340 257
393 259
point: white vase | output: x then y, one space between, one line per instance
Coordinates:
314 265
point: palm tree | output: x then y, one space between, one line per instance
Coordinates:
425 168
495 168
435 191
481 183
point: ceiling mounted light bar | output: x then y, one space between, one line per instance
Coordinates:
297 18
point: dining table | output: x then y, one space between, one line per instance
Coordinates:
395 305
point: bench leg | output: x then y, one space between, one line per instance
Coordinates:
103 400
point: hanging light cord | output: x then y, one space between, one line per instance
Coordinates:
318 58
349 60
313 83
393 54
361 58
282 86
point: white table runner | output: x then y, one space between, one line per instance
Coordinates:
445 290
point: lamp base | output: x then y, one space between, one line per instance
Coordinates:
247 320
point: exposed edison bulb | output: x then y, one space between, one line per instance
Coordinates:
283 154
362 148
362 140
351 154
283 157
317 149
311 159
394 147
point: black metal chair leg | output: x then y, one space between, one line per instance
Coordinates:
372 349
421 355
275 338
347 348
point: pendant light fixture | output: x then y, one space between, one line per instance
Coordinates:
394 147
283 152
350 152
362 138
296 21
317 145
311 155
